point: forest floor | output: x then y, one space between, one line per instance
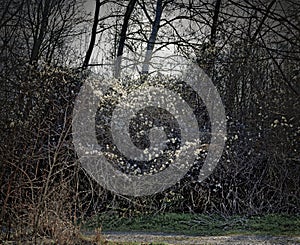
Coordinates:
161 238
182 228
172 228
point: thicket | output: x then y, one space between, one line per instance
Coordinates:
45 191
249 49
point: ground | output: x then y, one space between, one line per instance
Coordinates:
162 238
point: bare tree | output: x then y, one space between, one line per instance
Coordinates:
129 9
152 38
45 27
93 35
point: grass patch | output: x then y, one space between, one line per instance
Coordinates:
199 224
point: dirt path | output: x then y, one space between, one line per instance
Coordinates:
182 239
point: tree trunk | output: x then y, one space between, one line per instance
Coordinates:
41 33
152 39
127 15
93 36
